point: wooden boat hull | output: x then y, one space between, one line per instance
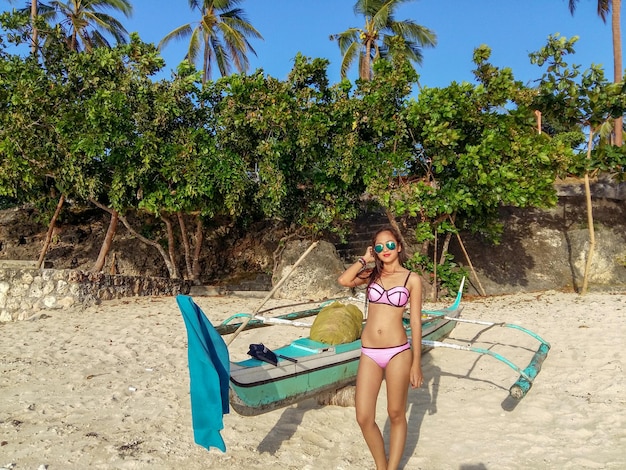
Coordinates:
257 387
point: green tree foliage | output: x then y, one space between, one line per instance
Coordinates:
290 134
479 149
96 128
574 102
452 157
603 8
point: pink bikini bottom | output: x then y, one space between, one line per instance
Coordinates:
382 356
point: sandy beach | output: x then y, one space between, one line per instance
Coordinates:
108 388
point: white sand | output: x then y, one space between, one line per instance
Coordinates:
109 388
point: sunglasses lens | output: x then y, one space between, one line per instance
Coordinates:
379 248
391 245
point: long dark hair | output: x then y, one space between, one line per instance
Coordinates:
402 255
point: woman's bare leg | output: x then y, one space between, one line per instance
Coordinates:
368 381
397 378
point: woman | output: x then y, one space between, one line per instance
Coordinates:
385 351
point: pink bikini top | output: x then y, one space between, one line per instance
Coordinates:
396 296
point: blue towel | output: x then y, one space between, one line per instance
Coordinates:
209 374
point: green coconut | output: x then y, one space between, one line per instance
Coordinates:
337 323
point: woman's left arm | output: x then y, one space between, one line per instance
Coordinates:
415 290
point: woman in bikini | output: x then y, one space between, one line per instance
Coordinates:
386 352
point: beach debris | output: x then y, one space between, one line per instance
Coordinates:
130 449
91 376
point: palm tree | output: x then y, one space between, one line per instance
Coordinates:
35 32
86 22
223 31
615 7
381 37
33 16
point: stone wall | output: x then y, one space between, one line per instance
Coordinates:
27 292
547 249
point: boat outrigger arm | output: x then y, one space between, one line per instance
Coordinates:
527 375
232 323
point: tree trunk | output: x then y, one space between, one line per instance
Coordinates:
46 243
444 248
195 266
592 238
365 71
394 224
617 61
467 258
171 268
33 18
107 242
171 243
185 240
435 292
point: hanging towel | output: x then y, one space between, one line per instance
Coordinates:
209 374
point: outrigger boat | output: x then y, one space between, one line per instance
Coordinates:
305 368
301 369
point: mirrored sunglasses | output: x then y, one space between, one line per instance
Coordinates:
391 245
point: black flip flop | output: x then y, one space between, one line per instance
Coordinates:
260 352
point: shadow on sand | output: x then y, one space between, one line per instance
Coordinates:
423 401
286 426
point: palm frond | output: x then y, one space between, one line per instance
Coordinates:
393 47
240 24
603 7
221 57
349 56
94 39
79 18
107 23
384 36
123 6
195 42
346 39
411 31
232 48
182 32
195 5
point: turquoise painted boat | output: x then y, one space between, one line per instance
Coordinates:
306 368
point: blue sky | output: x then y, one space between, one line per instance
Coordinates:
511 28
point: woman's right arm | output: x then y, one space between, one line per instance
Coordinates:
350 277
